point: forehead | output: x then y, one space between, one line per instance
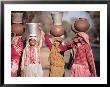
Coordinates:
32 39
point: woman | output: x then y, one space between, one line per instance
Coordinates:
31 59
84 65
17 29
56 56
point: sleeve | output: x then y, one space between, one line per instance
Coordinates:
63 47
48 42
68 46
90 60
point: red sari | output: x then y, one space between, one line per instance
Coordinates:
16 49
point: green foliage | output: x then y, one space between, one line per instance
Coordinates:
67 27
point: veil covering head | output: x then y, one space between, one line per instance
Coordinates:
84 36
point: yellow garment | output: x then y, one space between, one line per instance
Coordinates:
56 62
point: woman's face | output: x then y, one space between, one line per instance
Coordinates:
33 42
56 43
78 39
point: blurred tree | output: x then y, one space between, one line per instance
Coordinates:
68 31
95 16
47 21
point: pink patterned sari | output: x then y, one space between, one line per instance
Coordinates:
16 50
84 65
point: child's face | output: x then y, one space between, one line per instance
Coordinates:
33 42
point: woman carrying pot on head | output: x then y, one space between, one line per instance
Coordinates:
17 29
83 65
31 59
56 56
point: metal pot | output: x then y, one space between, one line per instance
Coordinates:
17 17
33 29
57 18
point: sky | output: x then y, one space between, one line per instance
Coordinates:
77 14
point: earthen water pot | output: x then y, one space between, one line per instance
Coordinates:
17 29
57 30
81 25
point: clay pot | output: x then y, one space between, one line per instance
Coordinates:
81 25
57 30
17 29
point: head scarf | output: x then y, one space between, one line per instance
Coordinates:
84 36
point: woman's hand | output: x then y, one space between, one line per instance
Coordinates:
49 34
40 26
69 42
43 34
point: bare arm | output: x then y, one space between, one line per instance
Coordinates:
48 42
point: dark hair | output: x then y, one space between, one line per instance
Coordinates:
29 40
36 41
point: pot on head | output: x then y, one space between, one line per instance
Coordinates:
57 18
57 30
33 29
17 17
81 25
